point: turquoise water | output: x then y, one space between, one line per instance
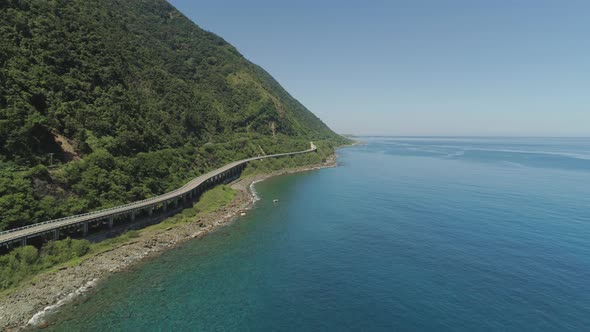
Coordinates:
409 234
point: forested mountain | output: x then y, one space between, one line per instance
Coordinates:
129 99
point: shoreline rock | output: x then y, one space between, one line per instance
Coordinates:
29 305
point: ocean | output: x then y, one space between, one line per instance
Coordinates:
406 234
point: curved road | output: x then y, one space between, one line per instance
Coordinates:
22 233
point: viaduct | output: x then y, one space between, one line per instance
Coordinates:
53 229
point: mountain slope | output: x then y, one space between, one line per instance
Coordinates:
130 98
138 72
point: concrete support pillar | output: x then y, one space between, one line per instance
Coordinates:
23 242
55 234
111 222
164 206
150 210
132 216
85 228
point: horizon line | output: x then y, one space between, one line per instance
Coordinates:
457 136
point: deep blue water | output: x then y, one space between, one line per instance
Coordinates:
408 234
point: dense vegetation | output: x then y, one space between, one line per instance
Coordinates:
25 261
127 99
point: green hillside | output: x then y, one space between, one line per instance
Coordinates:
127 99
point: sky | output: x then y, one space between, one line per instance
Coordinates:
460 68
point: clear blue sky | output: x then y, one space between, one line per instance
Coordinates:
514 68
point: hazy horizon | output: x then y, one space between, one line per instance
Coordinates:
423 68
458 136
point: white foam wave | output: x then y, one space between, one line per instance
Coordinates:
253 190
455 154
39 317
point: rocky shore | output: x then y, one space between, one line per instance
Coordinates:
28 305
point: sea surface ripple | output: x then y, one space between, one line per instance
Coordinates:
408 234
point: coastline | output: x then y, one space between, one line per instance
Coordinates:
28 305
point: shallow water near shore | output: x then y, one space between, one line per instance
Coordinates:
424 234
